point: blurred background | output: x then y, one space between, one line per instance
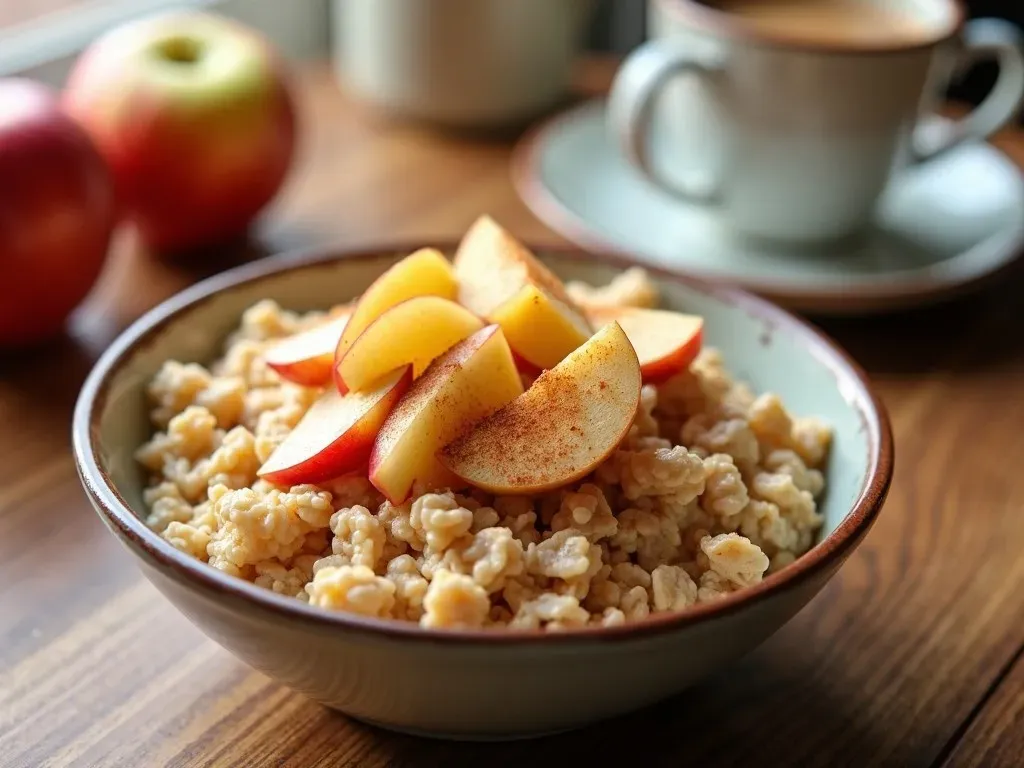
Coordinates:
491 65
40 37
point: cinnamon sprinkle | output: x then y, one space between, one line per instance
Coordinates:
528 442
430 386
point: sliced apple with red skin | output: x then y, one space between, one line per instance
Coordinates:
525 366
503 282
336 434
307 358
425 272
413 332
665 342
571 419
470 381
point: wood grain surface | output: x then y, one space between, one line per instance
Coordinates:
911 657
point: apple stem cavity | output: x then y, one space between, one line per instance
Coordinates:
180 50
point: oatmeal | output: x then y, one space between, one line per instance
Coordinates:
711 487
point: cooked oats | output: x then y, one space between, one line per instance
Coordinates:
711 489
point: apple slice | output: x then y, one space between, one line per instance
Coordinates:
336 434
665 342
423 273
307 358
471 380
561 428
411 333
500 280
539 328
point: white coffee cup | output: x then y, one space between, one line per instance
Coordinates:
793 136
463 63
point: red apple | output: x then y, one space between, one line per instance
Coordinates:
57 212
336 434
194 115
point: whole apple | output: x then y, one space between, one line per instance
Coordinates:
194 115
57 213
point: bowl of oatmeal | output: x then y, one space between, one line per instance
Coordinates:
479 491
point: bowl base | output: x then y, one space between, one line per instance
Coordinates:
463 735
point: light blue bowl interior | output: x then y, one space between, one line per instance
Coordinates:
770 357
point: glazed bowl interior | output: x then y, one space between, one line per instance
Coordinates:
760 345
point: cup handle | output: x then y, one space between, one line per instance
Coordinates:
634 91
984 39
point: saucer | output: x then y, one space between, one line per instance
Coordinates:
941 228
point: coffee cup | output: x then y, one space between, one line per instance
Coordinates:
789 117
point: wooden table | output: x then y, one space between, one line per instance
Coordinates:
911 657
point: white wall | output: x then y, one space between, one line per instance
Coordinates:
46 48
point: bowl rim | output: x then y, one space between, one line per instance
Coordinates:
116 513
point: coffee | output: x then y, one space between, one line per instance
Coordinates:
828 22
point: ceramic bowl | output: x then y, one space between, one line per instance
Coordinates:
481 684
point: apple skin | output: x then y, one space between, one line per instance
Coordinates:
660 371
525 367
666 342
307 358
336 435
194 114
57 213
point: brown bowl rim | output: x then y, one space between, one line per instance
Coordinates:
117 514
